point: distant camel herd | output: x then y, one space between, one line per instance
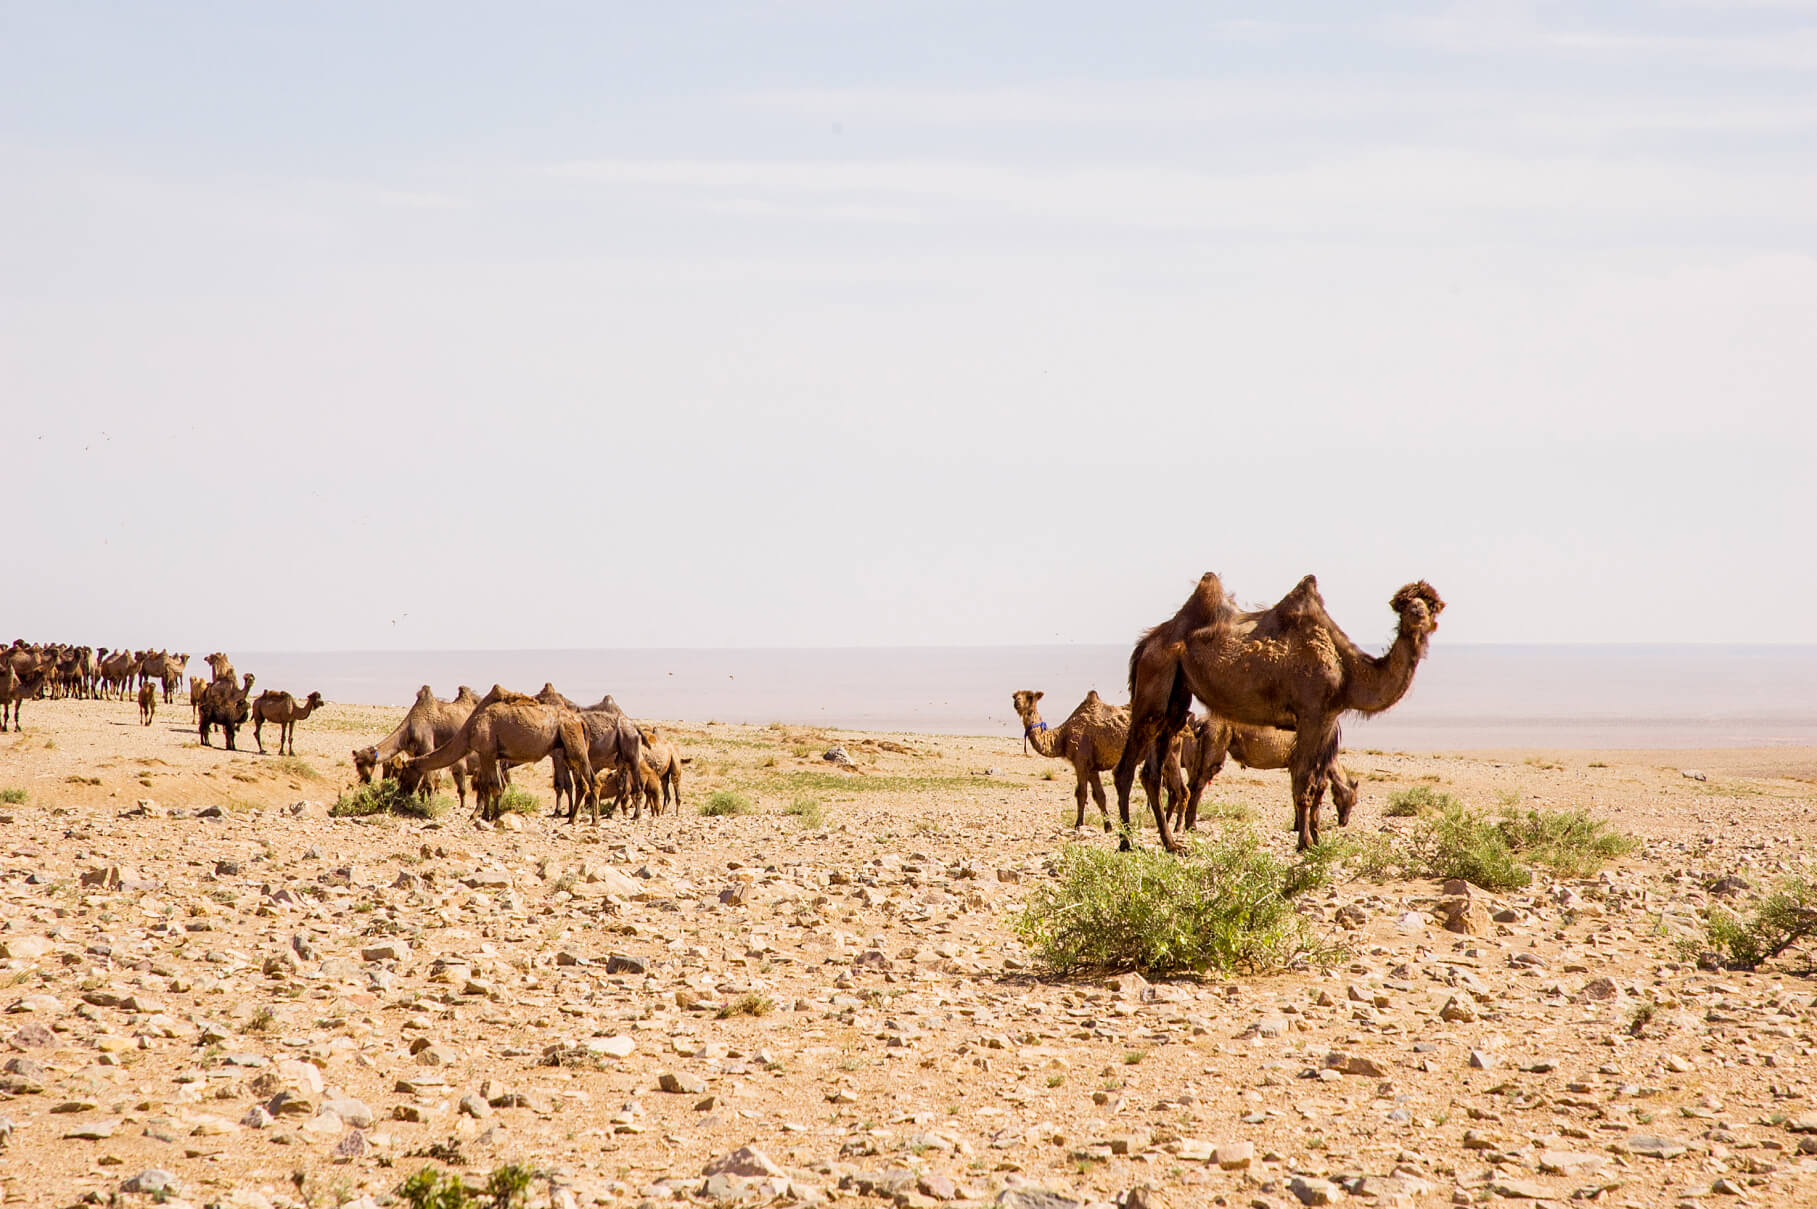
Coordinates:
596 750
1274 682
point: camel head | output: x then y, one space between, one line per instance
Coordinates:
1419 605
314 702
1024 702
365 759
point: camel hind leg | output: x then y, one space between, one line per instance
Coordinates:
1159 707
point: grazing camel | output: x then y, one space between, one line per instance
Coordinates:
1204 744
148 701
282 709
1288 667
224 704
430 723
1091 740
513 727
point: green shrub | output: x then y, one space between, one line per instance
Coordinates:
724 802
1780 920
1461 843
386 797
508 1187
1420 800
12 795
808 811
1223 905
1451 840
519 801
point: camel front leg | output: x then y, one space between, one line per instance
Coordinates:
1097 795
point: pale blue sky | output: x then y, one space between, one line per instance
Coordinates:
566 325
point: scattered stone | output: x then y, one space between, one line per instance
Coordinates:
1234 1156
1652 1146
154 1181
681 1083
1312 1191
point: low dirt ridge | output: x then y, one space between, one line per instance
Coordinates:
214 994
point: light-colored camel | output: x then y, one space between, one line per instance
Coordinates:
427 724
654 781
117 671
157 665
225 704
197 686
148 701
281 708
1091 740
1206 742
513 727
1288 666
220 667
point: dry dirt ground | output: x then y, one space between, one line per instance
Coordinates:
211 987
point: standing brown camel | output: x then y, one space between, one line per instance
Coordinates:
1091 740
224 704
430 723
148 701
1288 667
1206 742
281 708
512 727
197 686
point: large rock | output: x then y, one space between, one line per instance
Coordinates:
746 1162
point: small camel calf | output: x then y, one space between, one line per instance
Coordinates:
283 709
148 701
197 686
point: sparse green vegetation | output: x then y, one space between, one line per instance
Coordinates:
751 1004
12 795
294 767
1418 801
519 801
386 797
809 811
722 802
1780 920
1223 905
834 782
1450 840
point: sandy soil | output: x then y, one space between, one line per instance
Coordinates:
208 978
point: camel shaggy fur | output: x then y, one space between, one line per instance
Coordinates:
1288 667
224 704
429 723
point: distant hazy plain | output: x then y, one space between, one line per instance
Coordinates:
1464 697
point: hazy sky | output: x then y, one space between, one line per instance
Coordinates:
452 325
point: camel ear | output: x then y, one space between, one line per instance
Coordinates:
1038 696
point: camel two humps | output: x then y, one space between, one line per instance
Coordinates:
1288 667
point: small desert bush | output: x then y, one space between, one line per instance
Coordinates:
386 797
519 801
508 1187
747 1005
1780 920
1225 904
808 810
724 802
12 795
1497 853
1418 801
296 767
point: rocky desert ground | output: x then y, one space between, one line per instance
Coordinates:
216 994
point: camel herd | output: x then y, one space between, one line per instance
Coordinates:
596 751
1274 682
